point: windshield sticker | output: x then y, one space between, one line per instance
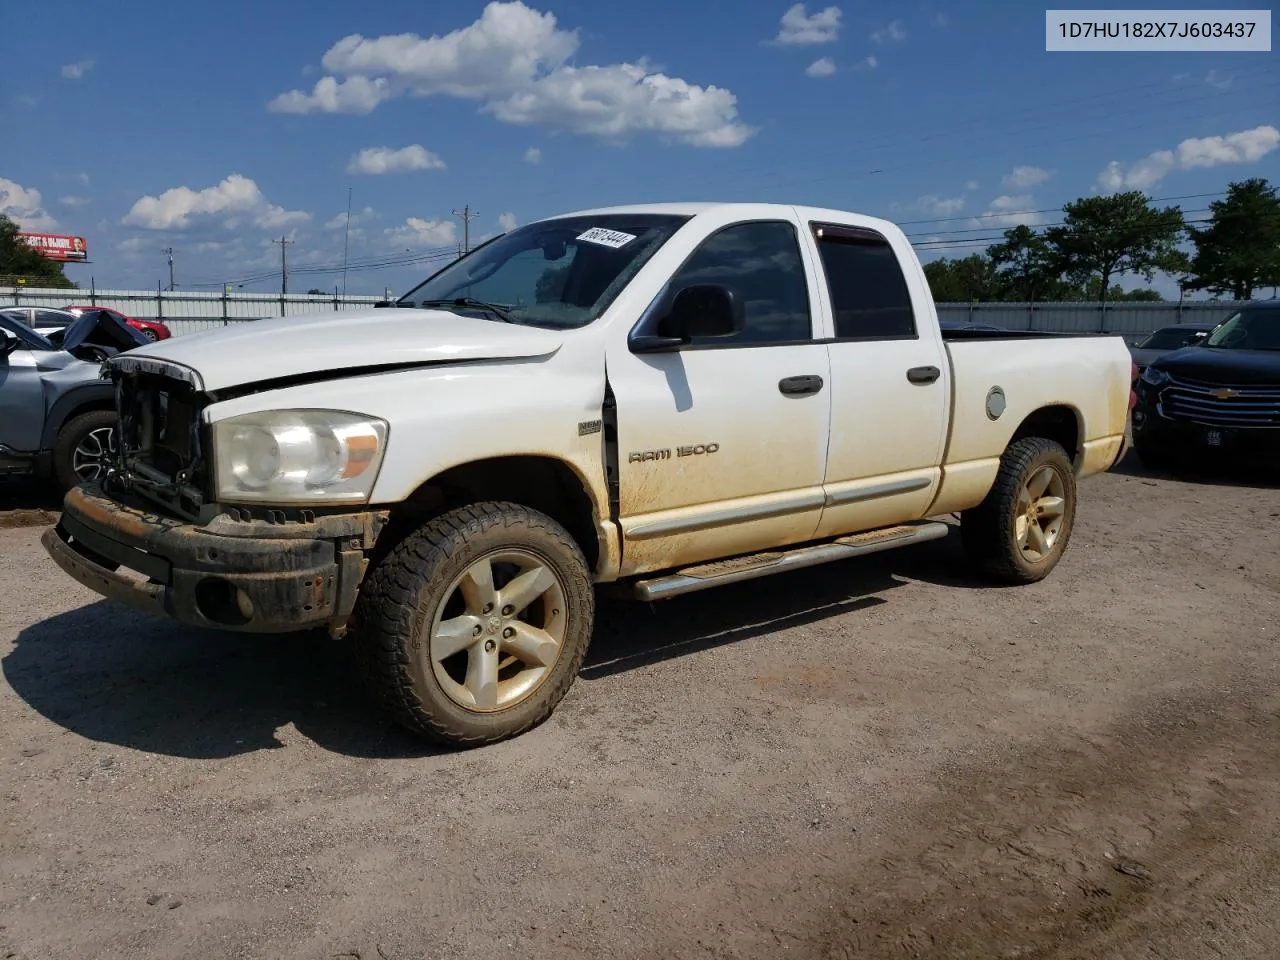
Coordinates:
607 238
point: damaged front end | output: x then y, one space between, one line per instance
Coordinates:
152 535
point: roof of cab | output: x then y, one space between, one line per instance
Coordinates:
747 209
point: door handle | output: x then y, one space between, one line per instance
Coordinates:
923 375
800 386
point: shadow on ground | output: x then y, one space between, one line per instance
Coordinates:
112 676
1208 471
28 503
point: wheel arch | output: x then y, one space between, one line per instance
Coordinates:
93 396
547 484
1059 422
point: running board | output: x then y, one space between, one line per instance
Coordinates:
719 572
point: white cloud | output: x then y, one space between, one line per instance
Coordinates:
416 233
339 220
971 185
1008 211
357 95
611 103
1244 146
1213 79
507 222
942 206
234 196
27 100
378 160
74 71
23 205
799 28
515 61
74 203
893 32
821 68
533 155
870 63
1021 177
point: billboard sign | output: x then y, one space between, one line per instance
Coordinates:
57 246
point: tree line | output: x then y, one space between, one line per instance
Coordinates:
1103 238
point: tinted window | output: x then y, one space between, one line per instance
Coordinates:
1170 338
761 263
868 291
51 318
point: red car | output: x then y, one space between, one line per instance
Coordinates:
149 328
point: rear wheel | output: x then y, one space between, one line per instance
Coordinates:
1020 531
84 449
473 628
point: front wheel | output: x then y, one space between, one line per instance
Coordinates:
1020 531
473 628
84 449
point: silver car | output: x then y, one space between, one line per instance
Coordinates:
57 414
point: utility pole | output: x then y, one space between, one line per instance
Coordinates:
467 216
168 252
345 238
284 265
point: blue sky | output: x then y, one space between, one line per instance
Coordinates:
214 128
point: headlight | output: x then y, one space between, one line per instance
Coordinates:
298 456
1154 377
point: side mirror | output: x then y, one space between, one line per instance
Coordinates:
697 312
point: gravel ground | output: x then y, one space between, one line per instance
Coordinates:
879 758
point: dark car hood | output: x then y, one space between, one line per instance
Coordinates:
1229 367
102 329
1145 355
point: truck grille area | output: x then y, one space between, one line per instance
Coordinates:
1221 405
161 442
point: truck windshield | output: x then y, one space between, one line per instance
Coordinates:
1247 330
559 274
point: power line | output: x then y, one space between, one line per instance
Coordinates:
284 264
346 237
467 216
985 216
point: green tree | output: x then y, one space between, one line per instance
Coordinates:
972 278
23 262
1026 266
1102 238
1240 249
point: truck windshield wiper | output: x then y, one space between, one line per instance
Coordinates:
497 310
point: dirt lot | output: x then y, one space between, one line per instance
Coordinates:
876 759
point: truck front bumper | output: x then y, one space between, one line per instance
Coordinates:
253 576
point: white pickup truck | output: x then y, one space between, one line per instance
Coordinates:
663 398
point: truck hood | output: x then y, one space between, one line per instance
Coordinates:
328 346
1228 367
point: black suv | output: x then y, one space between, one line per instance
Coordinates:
1220 396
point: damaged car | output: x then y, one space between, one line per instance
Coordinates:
57 412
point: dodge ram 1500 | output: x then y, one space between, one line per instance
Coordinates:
660 398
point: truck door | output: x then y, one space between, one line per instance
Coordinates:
721 444
890 382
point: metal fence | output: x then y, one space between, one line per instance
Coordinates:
185 305
1129 319
186 311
